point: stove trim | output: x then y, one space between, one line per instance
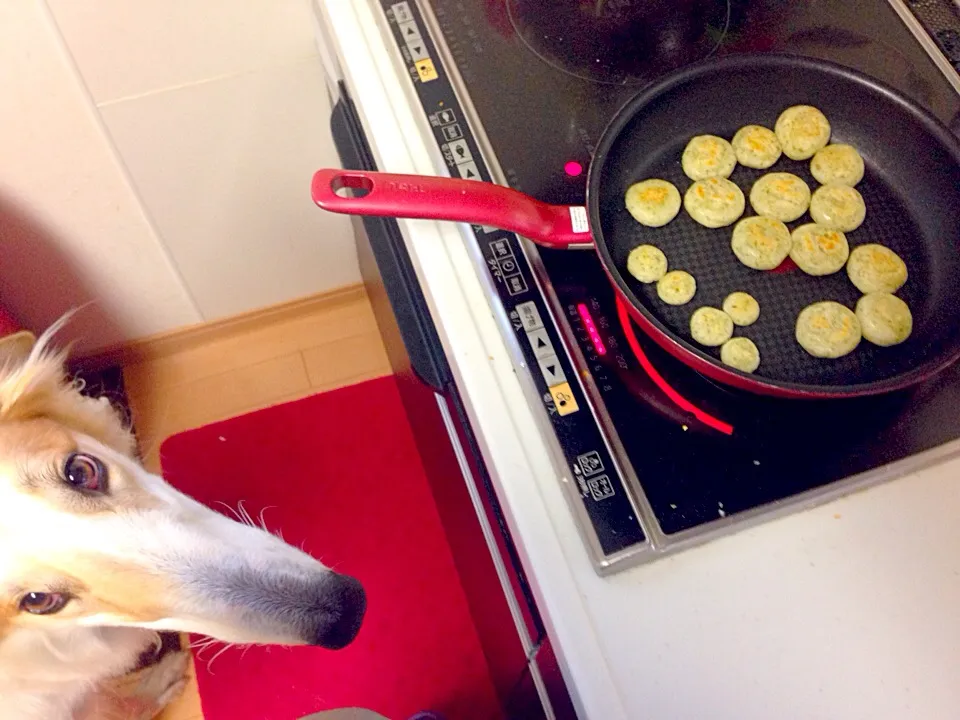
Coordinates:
926 42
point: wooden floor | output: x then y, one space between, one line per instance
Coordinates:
196 377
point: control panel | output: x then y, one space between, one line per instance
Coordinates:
599 484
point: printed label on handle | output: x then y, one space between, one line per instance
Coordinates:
578 219
410 187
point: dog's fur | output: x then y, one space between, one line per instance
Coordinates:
135 559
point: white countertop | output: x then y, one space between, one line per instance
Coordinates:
849 610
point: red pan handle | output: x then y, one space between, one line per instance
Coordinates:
439 198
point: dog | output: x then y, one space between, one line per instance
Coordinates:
98 557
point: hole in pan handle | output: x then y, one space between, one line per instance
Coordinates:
440 198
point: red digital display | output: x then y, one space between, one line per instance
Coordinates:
591 328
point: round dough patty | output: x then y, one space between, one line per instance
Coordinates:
802 130
714 202
677 287
756 147
742 308
711 327
760 243
885 319
876 268
837 164
647 263
839 207
818 250
828 329
740 353
708 156
781 196
653 202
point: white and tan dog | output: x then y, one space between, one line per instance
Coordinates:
97 555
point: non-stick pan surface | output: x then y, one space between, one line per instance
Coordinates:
911 189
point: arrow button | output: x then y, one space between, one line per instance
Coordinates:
468 171
417 50
410 32
552 370
540 342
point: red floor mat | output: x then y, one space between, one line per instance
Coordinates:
344 477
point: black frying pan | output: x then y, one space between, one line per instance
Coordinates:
911 189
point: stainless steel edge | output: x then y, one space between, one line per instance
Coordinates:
926 42
515 612
601 562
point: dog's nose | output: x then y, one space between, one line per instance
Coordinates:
347 601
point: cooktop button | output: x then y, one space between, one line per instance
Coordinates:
401 12
501 248
508 266
529 316
409 32
417 51
563 398
600 487
552 370
460 151
468 171
516 284
540 342
452 132
426 70
590 463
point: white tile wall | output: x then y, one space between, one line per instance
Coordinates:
225 169
72 229
219 111
127 48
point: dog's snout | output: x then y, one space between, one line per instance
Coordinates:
347 601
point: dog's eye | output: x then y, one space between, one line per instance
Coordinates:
85 472
41 603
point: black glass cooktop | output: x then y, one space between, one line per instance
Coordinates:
527 64
620 42
691 471
544 77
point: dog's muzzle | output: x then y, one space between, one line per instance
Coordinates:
345 603
288 603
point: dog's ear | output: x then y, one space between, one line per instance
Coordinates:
15 348
36 386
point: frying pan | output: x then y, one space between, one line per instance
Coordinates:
911 189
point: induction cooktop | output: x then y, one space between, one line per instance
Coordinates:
518 92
